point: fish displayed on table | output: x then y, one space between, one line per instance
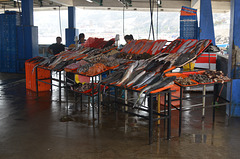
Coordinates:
84 68
136 78
157 85
132 76
128 73
143 80
163 67
184 59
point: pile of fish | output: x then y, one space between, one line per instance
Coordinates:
84 87
200 78
141 74
216 76
185 81
129 56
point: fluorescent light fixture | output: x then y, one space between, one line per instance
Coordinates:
89 1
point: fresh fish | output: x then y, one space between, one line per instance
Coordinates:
157 78
140 79
128 73
132 76
157 85
189 47
207 42
114 79
151 65
112 75
184 46
142 64
164 67
136 78
146 78
183 59
178 42
159 65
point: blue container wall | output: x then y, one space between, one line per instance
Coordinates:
8 43
17 43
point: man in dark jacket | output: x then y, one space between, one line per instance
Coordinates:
56 48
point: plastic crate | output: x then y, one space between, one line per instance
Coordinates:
31 77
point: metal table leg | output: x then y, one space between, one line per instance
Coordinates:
66 92
169 116
214 101
36 75
150 107
180 111
204 101
59 86
159 107
93 99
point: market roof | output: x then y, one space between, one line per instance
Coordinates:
164 5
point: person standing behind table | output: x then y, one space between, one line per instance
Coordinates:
128 38
81 38
80 78
56 48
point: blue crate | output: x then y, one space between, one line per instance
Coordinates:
188 29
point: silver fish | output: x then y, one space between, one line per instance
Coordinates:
145 79
183 46
157 85
136 78
128 73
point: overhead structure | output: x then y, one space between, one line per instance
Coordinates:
142 5
206 21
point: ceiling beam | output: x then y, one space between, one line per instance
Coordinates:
217 5
64 2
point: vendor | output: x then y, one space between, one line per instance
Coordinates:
56 48
128 38
81 38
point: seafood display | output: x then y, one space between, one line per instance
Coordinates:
140 66
216 76
84 68
200 78
96 69
84 87
185 81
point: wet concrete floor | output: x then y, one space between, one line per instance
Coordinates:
31 129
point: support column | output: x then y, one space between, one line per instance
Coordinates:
71 31
27 36
206 21
234 59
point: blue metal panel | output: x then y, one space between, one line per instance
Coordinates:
30 41
206 21
71 17
20 42
27 12
233 44
235 107
70 34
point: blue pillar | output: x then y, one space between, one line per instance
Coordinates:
234 58
71 31
27 35
27 12
206 21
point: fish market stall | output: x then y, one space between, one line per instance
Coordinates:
142 66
